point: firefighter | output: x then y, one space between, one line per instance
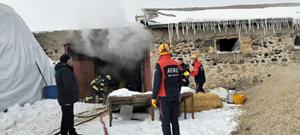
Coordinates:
186 72
198 74
100 89
166 90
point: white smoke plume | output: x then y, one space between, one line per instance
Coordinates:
124 47
119 43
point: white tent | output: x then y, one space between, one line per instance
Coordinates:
20 57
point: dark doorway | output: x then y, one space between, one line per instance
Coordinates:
228 45
130 78
297 41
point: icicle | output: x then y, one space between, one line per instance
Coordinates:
194 28
240 26
249 25
273 26
170 31
182 28
252 26
177 30
246 29
236 26
292 29
200 27
225 26
266 25
212 26
219 27
187 28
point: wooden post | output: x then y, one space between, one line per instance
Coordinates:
193 106
152 113
184 107
110 111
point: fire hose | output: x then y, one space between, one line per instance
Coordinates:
91 117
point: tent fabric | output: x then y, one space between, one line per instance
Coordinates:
20 53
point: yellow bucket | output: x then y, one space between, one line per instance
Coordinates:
238 99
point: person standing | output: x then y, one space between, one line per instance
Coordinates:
186 72
67 93
198 74
166 91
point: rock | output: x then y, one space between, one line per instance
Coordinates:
284 60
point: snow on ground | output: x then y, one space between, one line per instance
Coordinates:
221 92
40 118
212 122
44 116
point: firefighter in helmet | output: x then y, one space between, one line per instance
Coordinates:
166 90
100 89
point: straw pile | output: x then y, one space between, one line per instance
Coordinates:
202 101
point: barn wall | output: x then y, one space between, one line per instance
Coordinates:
259 53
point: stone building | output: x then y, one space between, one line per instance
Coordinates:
238 45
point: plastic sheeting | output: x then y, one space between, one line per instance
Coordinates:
20 53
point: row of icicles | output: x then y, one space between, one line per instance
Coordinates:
239 25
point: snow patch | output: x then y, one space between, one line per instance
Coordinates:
127 93
221 92
123 93
187 90
40 118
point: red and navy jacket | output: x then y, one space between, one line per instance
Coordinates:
167 78
198 72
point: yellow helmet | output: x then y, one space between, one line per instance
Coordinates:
186 73
194 56
164 49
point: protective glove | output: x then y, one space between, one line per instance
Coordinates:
186 73
153 103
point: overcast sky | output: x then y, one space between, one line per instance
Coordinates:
45 15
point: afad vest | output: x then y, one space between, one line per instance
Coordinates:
170 82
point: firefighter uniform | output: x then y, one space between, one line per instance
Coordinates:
100 89
166 91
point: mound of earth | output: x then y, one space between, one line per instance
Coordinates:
273 107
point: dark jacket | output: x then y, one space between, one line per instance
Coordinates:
198 72
167 78
68 92
184 68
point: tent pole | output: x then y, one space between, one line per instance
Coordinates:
41 73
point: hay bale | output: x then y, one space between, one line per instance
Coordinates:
202 101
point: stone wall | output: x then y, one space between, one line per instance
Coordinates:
53 42
258 53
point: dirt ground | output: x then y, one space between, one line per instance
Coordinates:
273 107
